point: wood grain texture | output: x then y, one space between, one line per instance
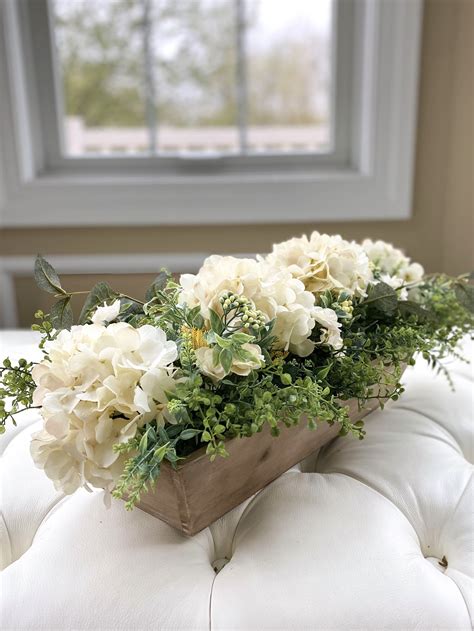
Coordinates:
198 491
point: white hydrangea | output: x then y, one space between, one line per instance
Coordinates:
392 266
331 328
106 314
324 262
97 387
273 291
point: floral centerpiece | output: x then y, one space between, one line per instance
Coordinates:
241 345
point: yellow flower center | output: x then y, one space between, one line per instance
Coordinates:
195 336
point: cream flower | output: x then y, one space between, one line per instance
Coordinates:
395 282
330 334
273 291
413 273
324 262
107 313
206 364
97 387
389 261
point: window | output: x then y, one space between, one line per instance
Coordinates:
194 76
206 111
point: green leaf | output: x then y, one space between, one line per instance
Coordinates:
100 293
46 277
225 359
157 285
223 343
186 434
465 295
323 373
172 456
242 338
206 437
129 309
198 321
143 443
160 453
61 314
408 307
383 298
216 322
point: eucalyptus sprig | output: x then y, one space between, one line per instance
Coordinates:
61 315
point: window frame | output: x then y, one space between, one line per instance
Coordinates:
368 175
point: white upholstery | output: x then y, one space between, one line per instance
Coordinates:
351 539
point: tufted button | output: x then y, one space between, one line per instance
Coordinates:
218 564
439 564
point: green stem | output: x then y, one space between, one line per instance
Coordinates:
120 295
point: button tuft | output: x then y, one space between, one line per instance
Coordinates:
218 564
443 562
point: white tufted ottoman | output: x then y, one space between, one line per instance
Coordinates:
352 539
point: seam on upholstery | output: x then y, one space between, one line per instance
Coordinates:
371 488
456 507
9 539
252 500
210 601
461 594
17 435
412 527
50 509
54 504
435 422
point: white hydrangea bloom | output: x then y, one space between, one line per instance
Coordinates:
413 273
107 313
331 333
275 292
324 262
391 264
99 385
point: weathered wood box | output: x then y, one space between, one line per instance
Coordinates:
198 491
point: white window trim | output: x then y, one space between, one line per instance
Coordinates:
373 182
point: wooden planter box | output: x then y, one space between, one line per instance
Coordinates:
198 491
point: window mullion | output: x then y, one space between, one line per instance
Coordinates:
241 73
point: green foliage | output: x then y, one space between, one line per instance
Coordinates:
158 285
148 450
45 327
61 314
381 334
16 390
465 295
62 317
46 277
101 293
382 298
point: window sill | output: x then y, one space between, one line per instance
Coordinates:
113 199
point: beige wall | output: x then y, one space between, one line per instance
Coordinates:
439 235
